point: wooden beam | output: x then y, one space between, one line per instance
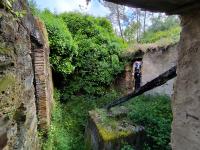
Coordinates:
158 81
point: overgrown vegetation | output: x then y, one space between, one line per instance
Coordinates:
85 56
69 121
63 48
163 30
85 52
155 114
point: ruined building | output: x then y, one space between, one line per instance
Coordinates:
186 98
155 61
25 78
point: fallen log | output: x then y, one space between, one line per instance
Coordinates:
158 81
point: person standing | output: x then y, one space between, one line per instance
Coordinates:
137 74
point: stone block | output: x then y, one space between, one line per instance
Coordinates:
107 132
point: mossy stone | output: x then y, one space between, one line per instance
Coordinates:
109 127
5 50
6 81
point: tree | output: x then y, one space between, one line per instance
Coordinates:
144 25
131 31
163 28
117 16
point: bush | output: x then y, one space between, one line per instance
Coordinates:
154 113
97 61
62 46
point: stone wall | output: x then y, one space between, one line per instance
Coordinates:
124 81
18 113
43 77
186 101
113 133
155 62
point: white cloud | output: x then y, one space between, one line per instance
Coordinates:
93 8
69 5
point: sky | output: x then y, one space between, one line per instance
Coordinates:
94 7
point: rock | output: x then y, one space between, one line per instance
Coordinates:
105 132
18 39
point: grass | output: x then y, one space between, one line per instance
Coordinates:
155 114
69 121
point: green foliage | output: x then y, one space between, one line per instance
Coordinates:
130 32
154 113
69 121
164 30
127 147
160 24
172 35
86 48
57 136
63 47
33 7
99 49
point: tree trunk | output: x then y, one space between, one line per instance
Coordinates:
144 27
138 13
160 80
119 23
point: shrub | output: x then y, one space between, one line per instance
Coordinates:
63 47
154 113
97 61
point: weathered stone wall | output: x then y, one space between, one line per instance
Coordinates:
155 62
124 81
43 77
186 101
18 113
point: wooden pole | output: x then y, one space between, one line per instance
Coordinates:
158 81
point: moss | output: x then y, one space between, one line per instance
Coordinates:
4 49
110 128
10 95
6 81
109 135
